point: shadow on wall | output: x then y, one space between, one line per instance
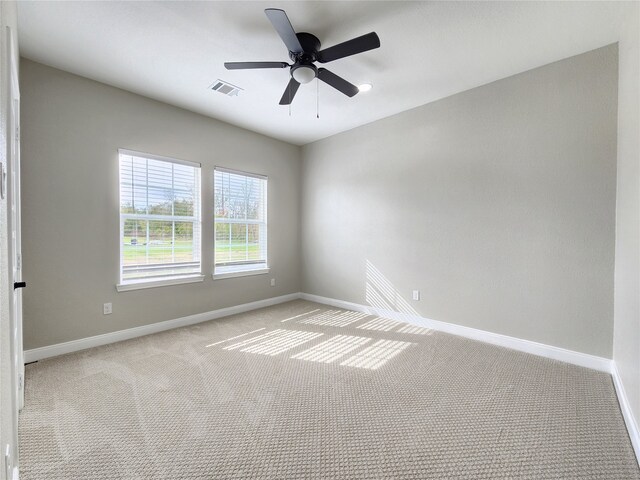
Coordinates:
380 293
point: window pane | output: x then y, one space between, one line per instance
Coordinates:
160 174
183 204
160 242
134 242
253 246
133 185
238 243
166 246
240 204
184 247
223 243
254 199
183 177
220 196
160 201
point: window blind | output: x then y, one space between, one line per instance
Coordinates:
240 211
159 217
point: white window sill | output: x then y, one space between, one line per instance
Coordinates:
140 284
240 273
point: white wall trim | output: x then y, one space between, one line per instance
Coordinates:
141 284
112 337
556 353
547 351
627 413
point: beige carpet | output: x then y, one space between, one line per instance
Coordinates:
305 391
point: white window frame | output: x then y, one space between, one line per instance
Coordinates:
242 269
161 281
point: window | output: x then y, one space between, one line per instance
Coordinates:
159 219
240 210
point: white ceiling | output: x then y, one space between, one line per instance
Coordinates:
173 51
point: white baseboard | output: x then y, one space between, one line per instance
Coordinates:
548 351
569 356
84 343
627 413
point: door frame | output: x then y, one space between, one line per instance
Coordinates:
14 213
12 160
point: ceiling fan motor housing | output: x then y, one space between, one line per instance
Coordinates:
310 47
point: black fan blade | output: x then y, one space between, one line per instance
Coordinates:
281 23
290 92
246 65
350 47
337 82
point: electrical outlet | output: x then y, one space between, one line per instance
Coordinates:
416 294
273 282
107 308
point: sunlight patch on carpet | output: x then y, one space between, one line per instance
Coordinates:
380 324
376 355
334 318
332 349
415 330
274 342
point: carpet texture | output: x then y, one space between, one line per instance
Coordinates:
305 391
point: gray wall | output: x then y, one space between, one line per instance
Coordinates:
71 130
626 351
498 204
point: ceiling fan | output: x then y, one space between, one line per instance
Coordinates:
304 50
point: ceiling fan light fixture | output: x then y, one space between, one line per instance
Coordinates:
304 73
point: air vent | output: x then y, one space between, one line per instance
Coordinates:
225 88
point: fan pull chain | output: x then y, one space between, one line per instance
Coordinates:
317 98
